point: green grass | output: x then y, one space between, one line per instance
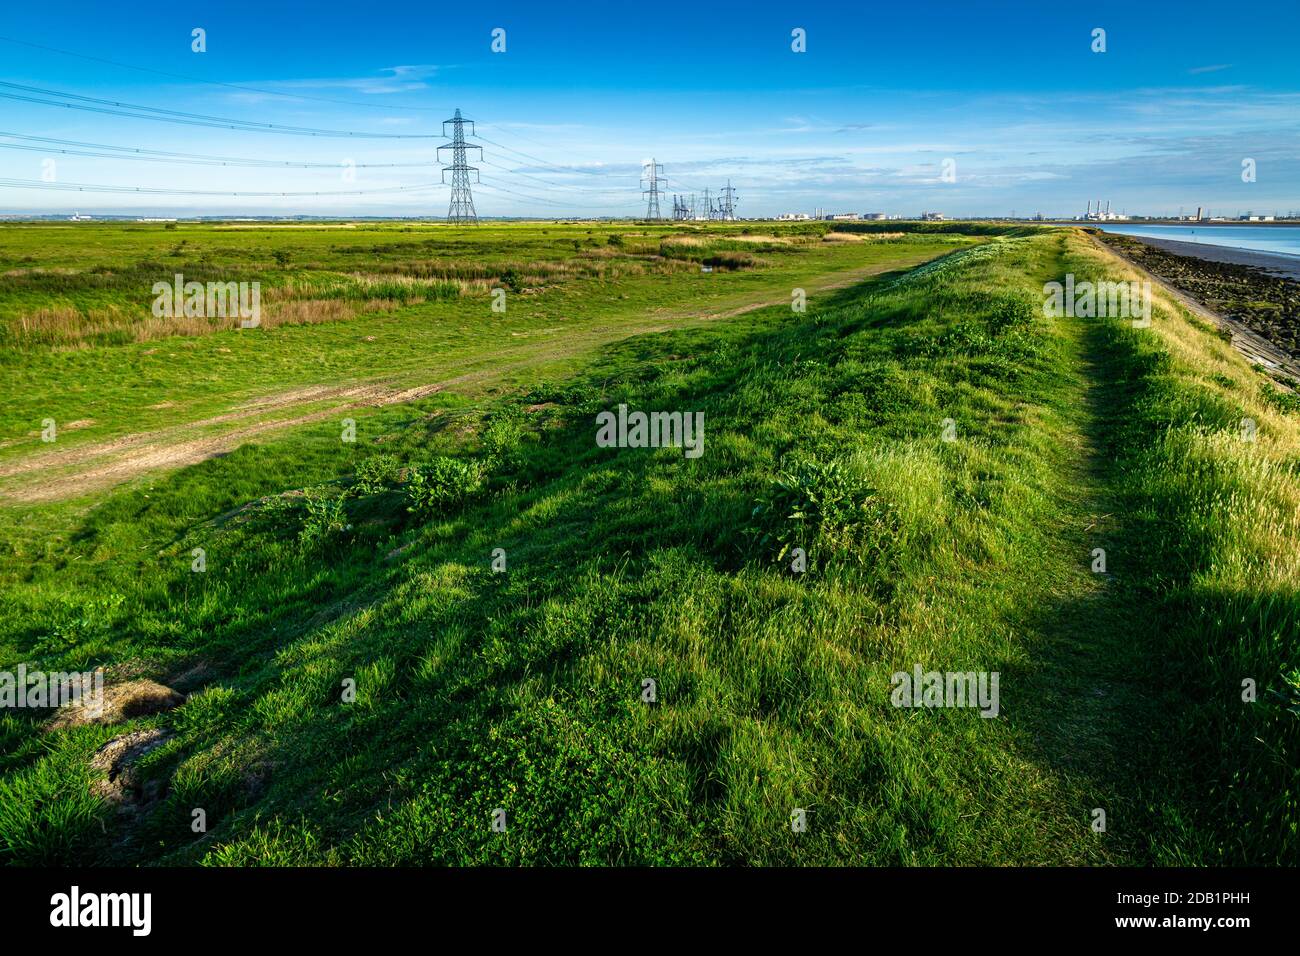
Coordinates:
567 308
372 562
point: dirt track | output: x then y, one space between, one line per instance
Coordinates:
81 469
131 455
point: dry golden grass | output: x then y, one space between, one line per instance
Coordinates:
64 327
38 271
334 296
861 236
294 225
704 241
307 312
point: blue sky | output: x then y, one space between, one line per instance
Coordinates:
1012 93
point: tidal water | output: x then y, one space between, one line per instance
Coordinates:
1283 240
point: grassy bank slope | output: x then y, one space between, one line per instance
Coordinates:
826 431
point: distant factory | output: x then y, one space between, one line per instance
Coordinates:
1098 215
842 216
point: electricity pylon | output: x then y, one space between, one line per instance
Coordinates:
650 188
729 201
462 200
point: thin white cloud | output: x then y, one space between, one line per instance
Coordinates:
392 79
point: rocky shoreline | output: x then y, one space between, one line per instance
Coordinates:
1252 289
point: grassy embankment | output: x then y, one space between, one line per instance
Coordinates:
522 689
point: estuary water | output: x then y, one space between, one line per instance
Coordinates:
1280 240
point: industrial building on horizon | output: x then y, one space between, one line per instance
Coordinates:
1097 215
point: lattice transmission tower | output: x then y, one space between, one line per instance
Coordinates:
729 200
462 200
650 188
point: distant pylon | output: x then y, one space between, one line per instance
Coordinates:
650 188
461 208
729 201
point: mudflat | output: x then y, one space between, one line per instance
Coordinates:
1260 290
1275 262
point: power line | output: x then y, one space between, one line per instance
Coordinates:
167 156
271 164
261 90
128 110
232 86
555 202
117 108
515 172
572 169
131 152
526 139
673 180
111 107
150 190
164 156
154 155
137 111
249 89
462 203
100 188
